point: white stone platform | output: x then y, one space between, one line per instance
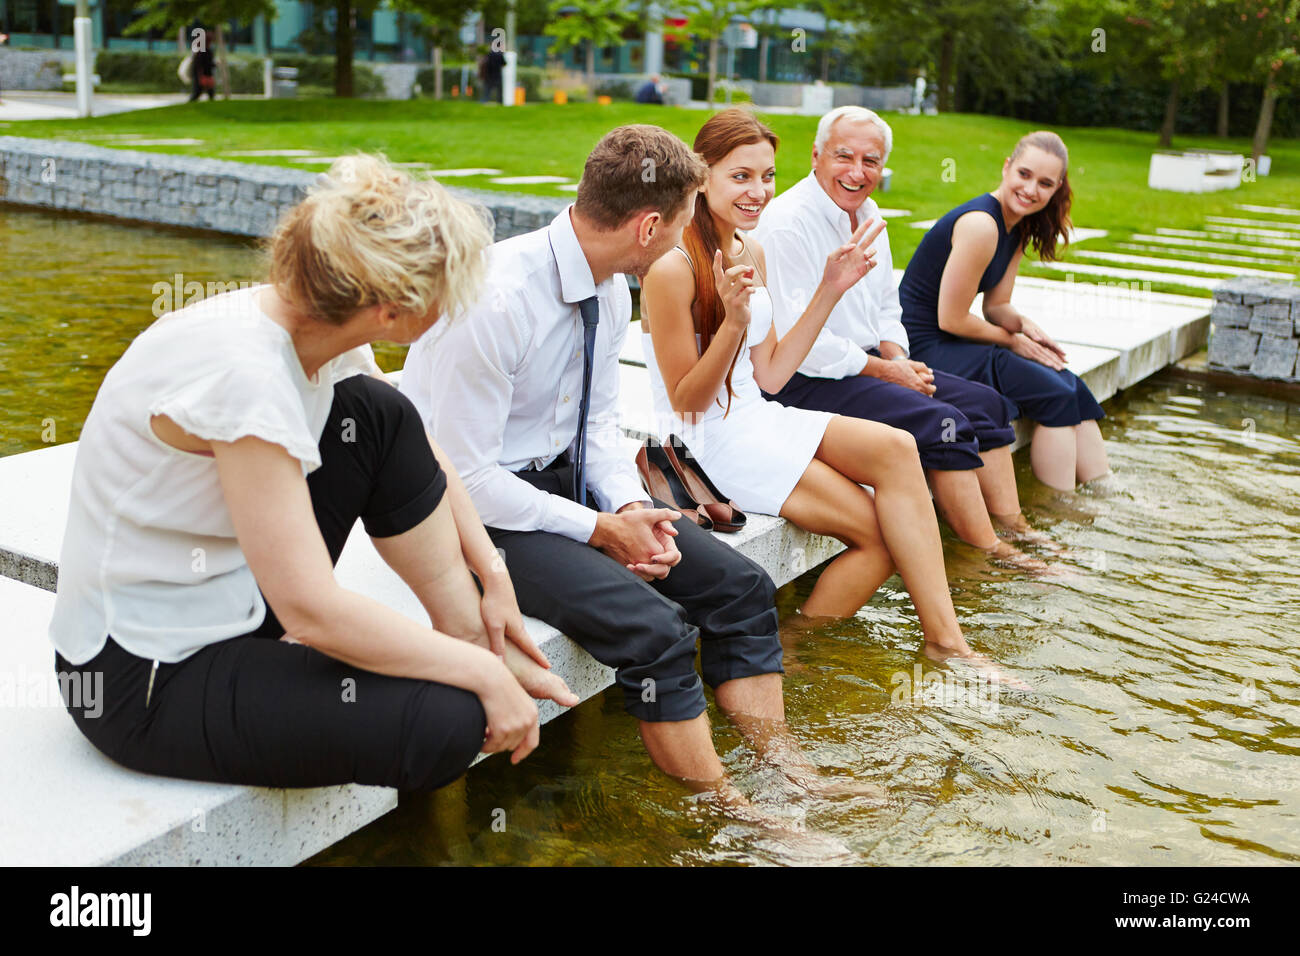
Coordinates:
63 803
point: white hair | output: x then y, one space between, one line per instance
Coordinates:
859 114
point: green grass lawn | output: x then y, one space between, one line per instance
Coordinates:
938 161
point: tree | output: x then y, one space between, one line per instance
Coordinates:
595 23
440 22
1002 42
708 20
168 16
1274 29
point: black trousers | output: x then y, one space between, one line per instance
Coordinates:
647 631
256 710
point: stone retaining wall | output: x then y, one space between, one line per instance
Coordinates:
1256 328
243 199
30 70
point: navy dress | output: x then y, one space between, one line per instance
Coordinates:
1033 390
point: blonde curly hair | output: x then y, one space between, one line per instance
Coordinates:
369 234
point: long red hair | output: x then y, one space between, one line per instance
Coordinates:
722 133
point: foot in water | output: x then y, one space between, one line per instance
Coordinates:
1009 556
983 666
1016 528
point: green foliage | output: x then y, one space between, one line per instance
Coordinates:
598 22
157 71
529 77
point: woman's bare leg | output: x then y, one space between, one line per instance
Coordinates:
825 502
1091 461
1054 454
886 458
429 559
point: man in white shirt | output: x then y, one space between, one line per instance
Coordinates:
501 388
859 365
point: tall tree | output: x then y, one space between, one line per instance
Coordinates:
593 23
168 16
708 20
1275 35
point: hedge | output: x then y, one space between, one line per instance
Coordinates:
159 71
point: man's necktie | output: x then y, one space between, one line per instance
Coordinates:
590 309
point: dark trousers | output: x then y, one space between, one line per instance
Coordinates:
256 710
951 427
647 630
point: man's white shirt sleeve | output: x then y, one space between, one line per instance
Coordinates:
472 365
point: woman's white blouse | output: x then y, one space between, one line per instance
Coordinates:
150 555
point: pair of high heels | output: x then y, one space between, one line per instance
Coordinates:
679 481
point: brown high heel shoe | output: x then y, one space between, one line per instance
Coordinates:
660 481
726 516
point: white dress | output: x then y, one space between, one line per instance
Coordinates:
757 453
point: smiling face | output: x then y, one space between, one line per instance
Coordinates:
851 163
741 184
1030 180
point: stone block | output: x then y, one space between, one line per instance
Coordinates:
1275 358
1233 348
1275 309
1267 326
1228 314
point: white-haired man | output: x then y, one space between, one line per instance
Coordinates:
859 364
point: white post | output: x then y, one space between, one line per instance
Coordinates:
81 34
654 39
508 79
268 81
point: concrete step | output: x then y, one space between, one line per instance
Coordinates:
63 803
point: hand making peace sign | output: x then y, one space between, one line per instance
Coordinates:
853 260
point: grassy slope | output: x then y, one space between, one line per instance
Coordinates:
1108 166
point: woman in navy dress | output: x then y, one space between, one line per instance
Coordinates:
977 248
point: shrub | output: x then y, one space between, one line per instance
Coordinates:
529 77
158 70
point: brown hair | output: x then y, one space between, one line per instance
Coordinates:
722 133
1051 224
368 234
634 168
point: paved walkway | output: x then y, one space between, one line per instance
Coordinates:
31 105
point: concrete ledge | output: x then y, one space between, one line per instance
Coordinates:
63 803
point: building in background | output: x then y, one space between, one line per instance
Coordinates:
388 36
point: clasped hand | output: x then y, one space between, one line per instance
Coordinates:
640 539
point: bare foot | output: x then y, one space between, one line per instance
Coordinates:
984 668
1010 556
812 782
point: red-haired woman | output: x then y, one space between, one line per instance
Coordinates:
977 248
710 346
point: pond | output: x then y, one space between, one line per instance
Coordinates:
1163 726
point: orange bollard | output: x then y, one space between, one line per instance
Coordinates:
604 100
519 96
561 97
455 91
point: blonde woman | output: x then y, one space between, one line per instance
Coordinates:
227 457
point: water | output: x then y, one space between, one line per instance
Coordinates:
1164 724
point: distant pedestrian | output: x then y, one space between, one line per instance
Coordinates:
4 38
652 91
203 66
489 72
